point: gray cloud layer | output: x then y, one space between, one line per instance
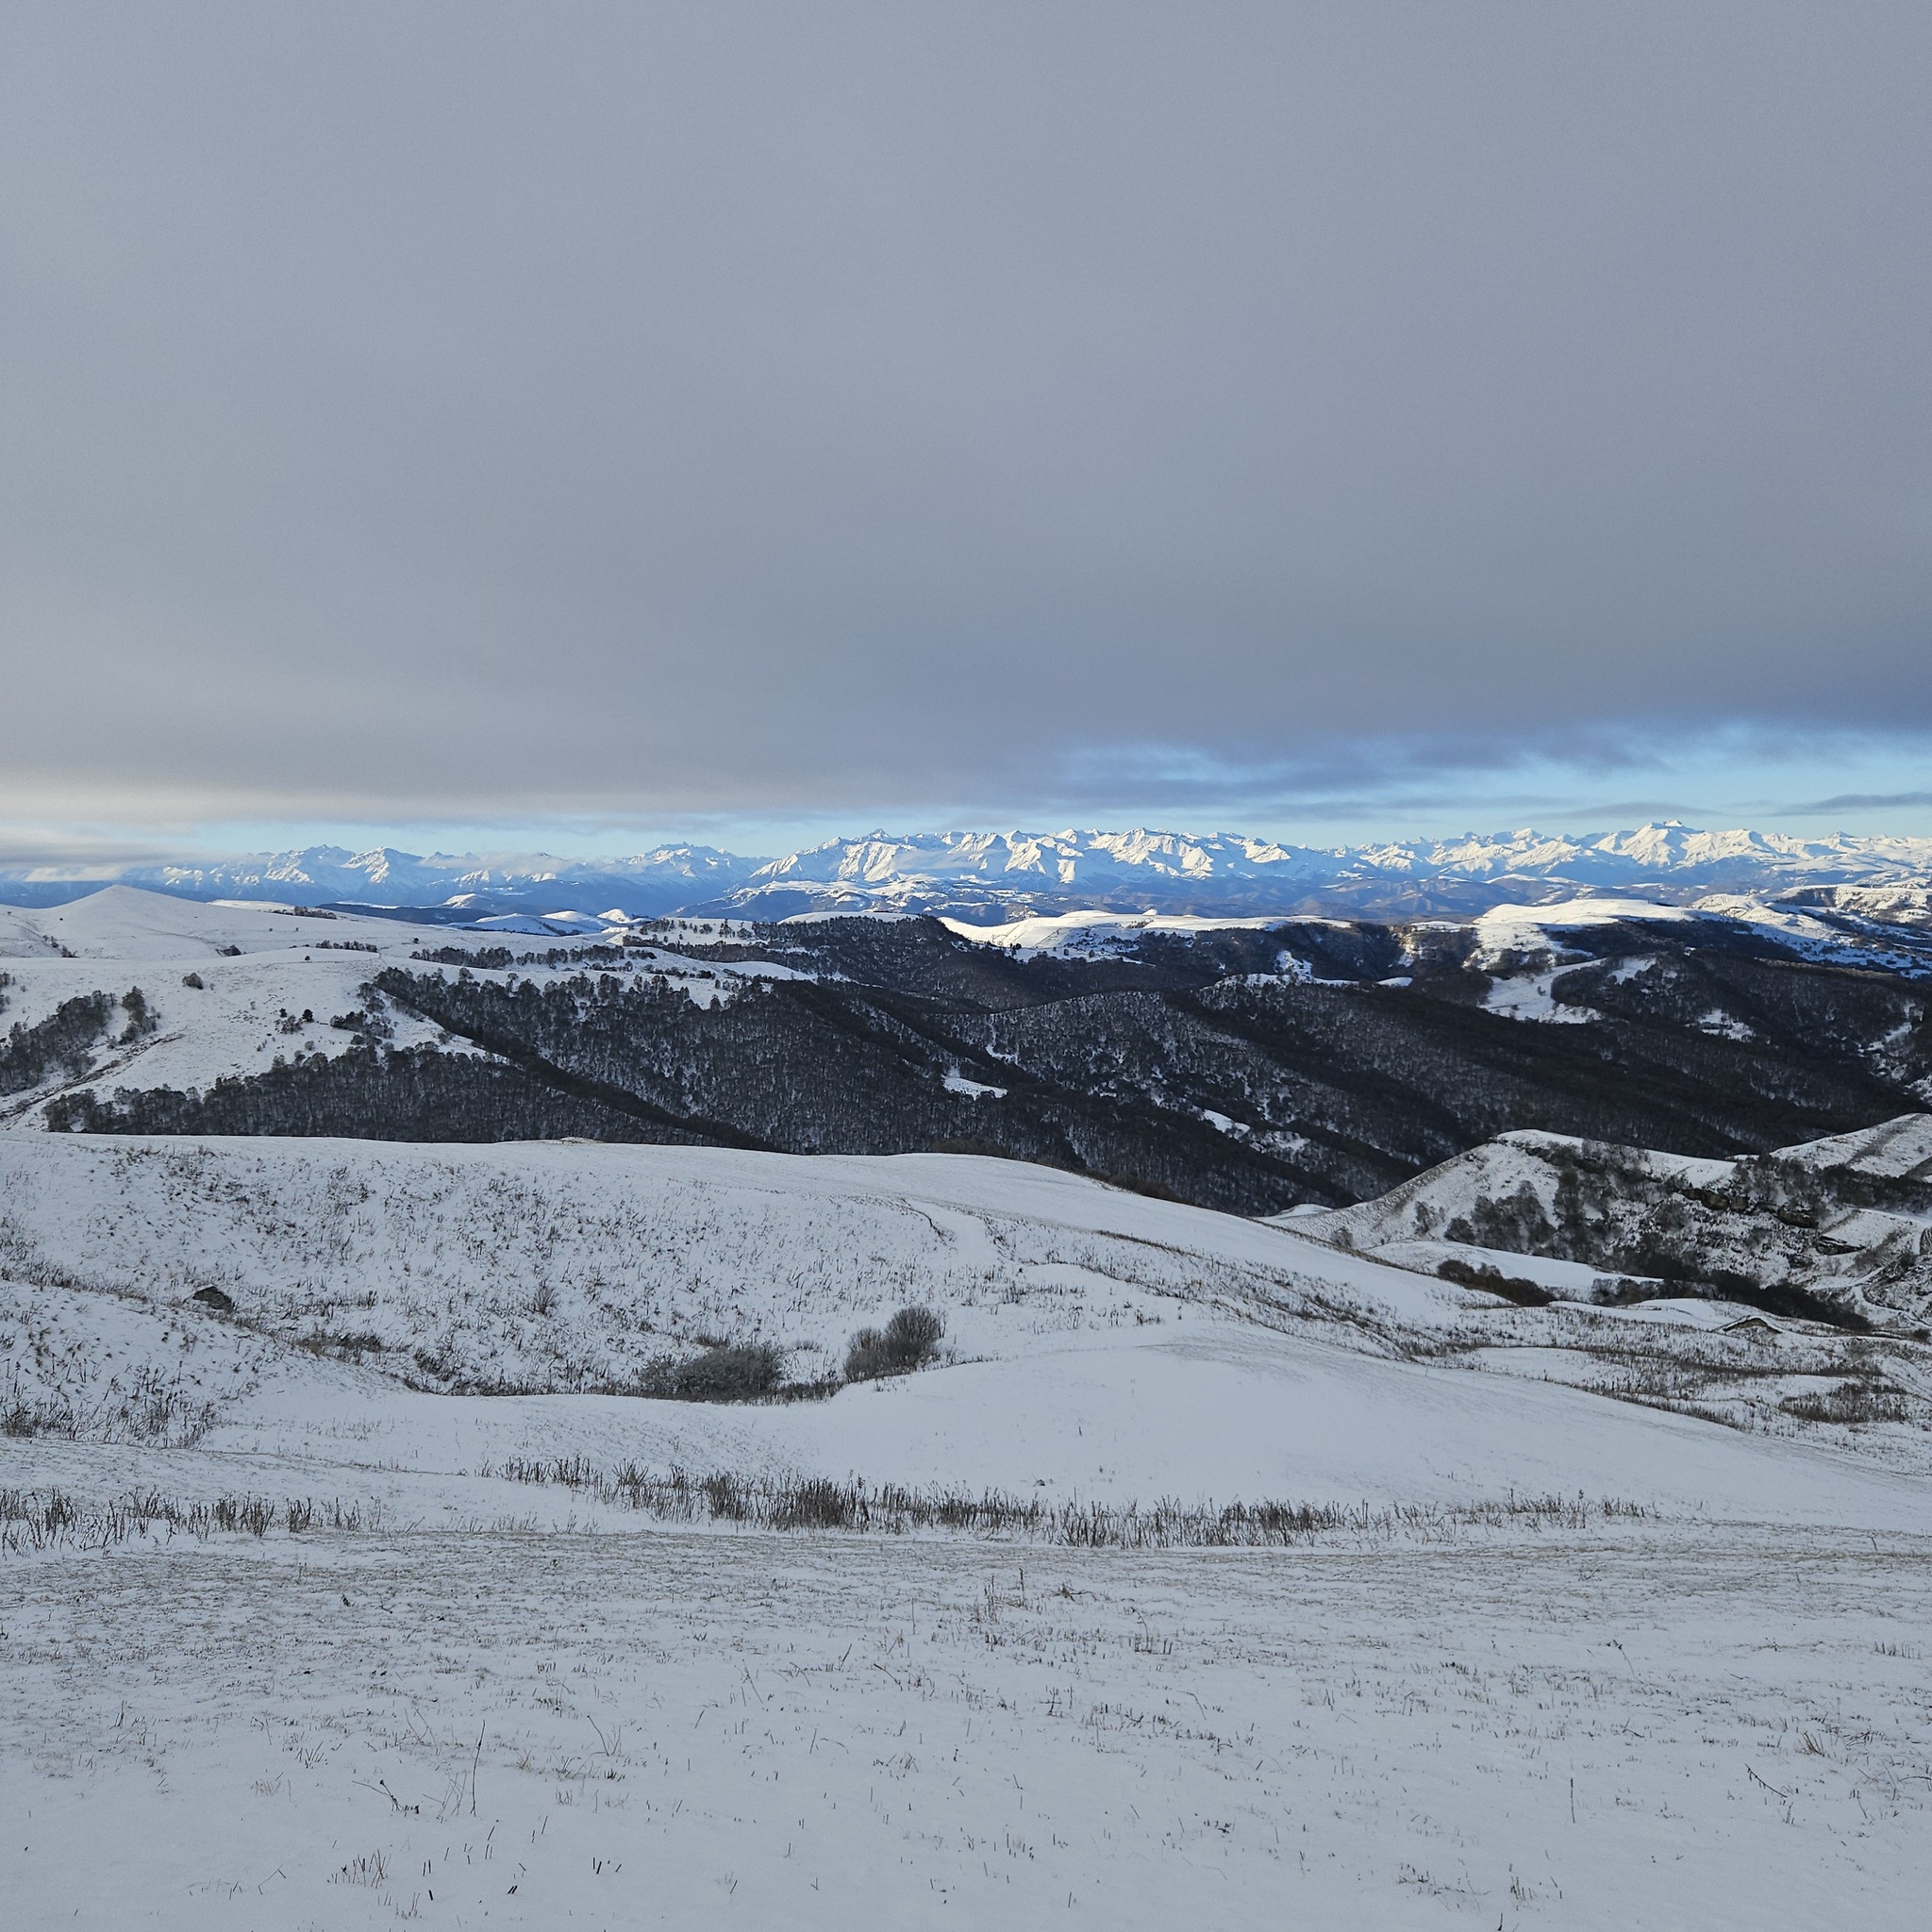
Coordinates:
729 408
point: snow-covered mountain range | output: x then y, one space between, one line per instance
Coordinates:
1024 875
999 876
645 885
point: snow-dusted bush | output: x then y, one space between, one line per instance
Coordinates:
729 1372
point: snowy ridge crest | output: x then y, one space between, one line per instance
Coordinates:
996 877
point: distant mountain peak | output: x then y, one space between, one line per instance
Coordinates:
994 876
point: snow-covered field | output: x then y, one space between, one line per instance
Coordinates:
1730 1728
487 1697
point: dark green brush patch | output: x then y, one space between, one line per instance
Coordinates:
63 1043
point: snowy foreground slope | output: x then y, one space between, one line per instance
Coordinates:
694 1730
1550 1644
1099 1341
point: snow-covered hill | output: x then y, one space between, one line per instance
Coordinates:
1612 1614
229 990
1842 1224
996 877
1222 1059
1096 1341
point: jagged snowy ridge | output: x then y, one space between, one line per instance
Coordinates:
1013 874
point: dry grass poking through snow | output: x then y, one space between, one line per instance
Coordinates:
32 1520
38 1520
684 1728
819 1503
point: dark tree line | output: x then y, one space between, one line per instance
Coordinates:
1115 1067
418 1094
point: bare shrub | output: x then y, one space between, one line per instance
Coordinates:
1139 1184
1492 1280
909 1341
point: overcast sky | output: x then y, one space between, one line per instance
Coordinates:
609 418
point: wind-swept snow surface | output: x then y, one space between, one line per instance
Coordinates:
535 1730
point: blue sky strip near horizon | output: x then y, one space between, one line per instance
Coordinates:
1868 785
492 428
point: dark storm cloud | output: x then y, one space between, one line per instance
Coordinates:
463 407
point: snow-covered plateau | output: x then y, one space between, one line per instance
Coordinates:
1400 1564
